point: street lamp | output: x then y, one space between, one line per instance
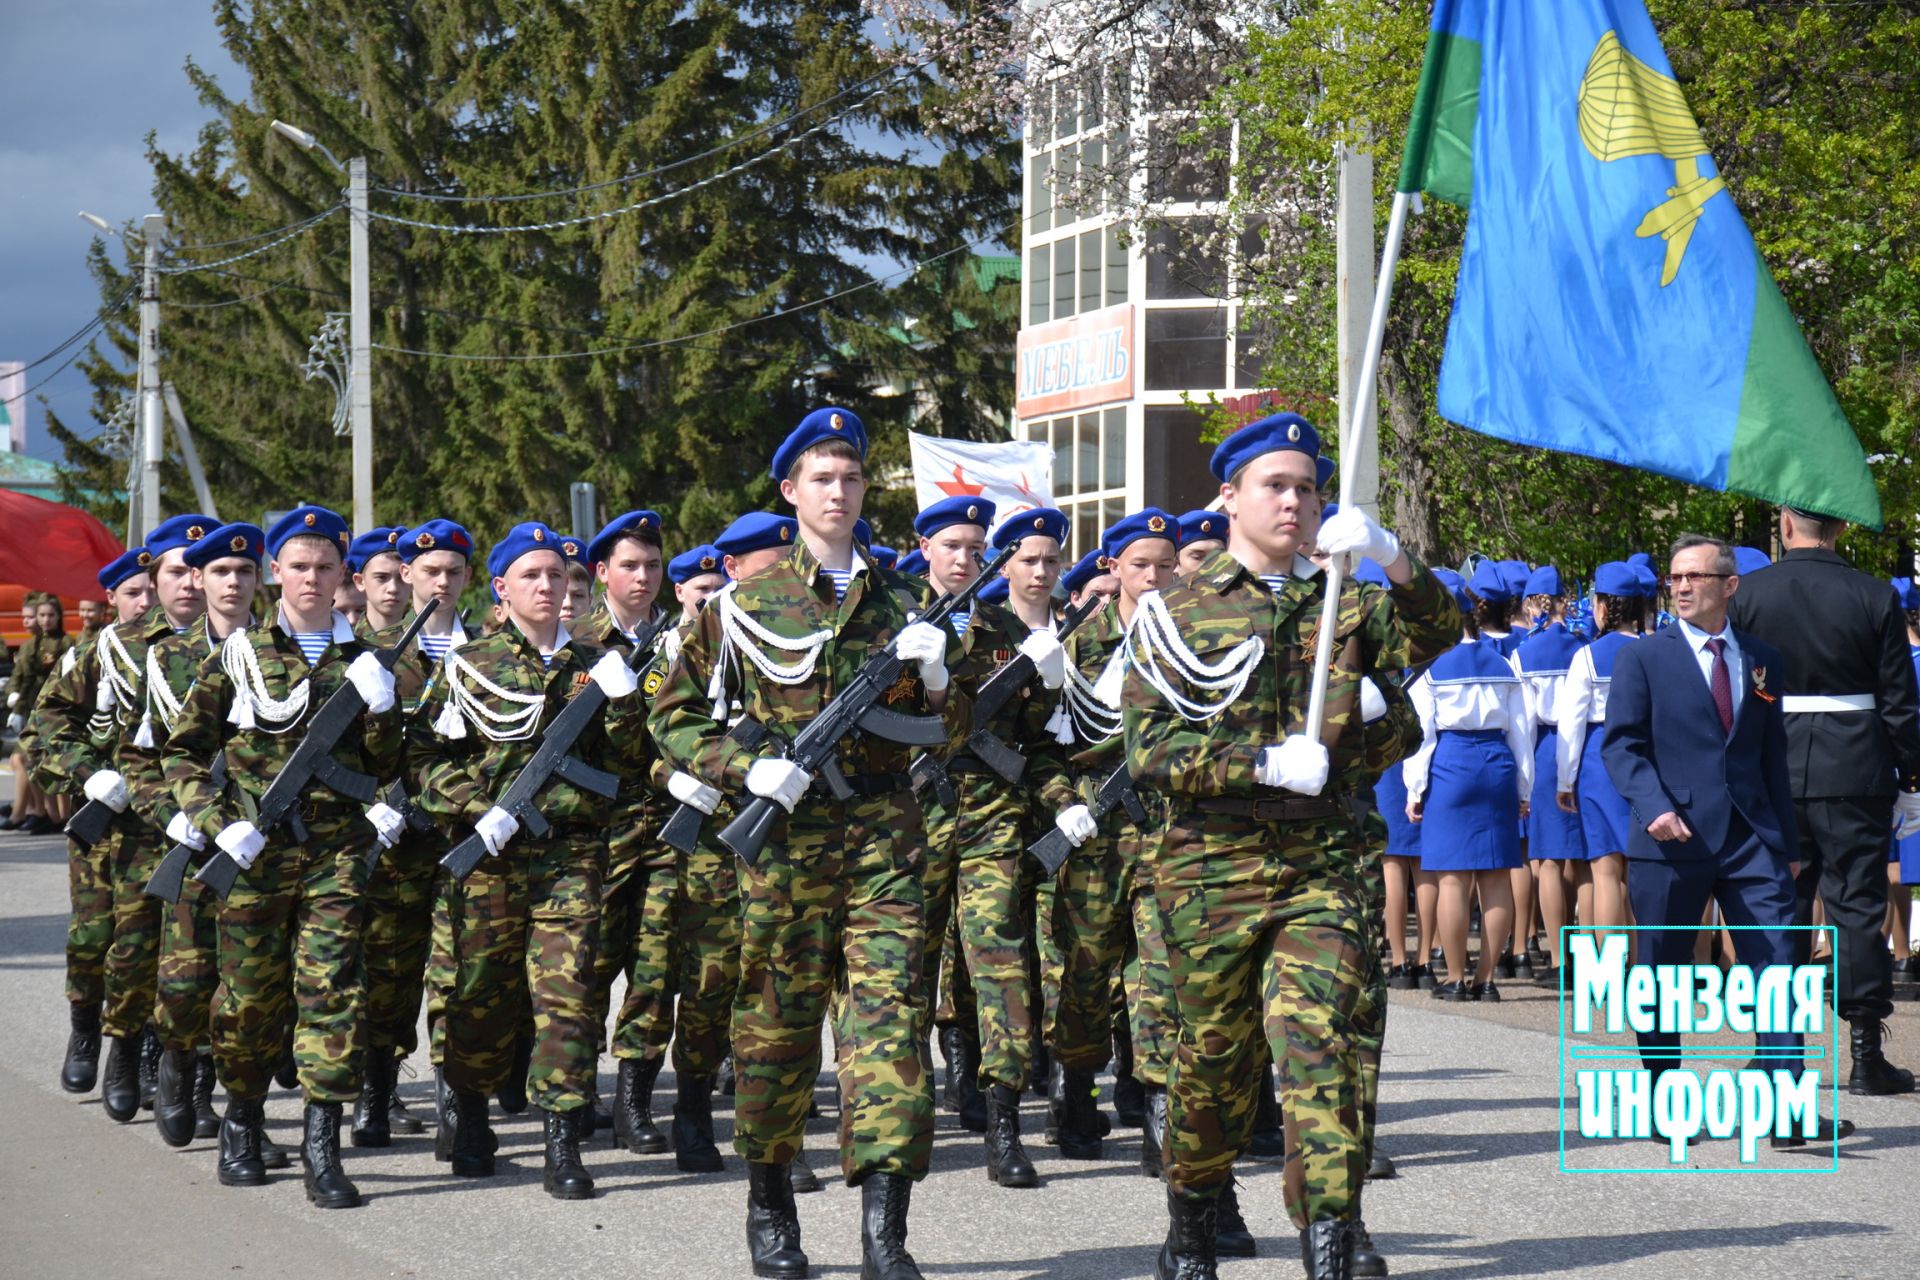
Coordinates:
359 320
143 508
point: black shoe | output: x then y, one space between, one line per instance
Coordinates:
444 1116
1189 1252
206 1121
1465 989
1486 991
472 1145
38 825
1042 1070
150 1051
81 1067
1504 966
1907 970
1129 1099
1007 1162
566 1178
1823 1132
1429 979
1404 977
399 1119
773 1225
1231 1238
1268 1141
240 1133
327 1183
884 1200
372 1112
633 1123
173 1097
1153 1134
1073 1120
1381 1166
1367 1260
120 1085
968 1100
1326 1247
512 1094
694 1149
724 1081
1873 1075
1523 968
1547 974
287 1074
801 1178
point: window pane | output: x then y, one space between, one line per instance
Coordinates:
1039 282
1039 193
1086 528
1116 268
1060 431
1087 452
1114 430
1065 182
1182 171
1187 350
1090 87
1112 511
1253 343
1090 268
1064 116
1183 260
1253 251
1063 281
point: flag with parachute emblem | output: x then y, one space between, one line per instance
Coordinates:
1014 475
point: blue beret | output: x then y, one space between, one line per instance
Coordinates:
1084 570
241 539
1545 581
1748 559
1330 510
309 521
178 532
523 539
1268 435
1906 593
884 556
1514 574
913 564
1646 581
374 542
829 423
1456 587
1369 570
951 511
1322 471
1640 558
995 592
689 565
863 533
1041 522
1151 522
123 566
1489 583
637 524
1615 578
434 535
1203 526
757 531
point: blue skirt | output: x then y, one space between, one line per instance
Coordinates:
1605 817
1907 854
1390 797
1552 832
1472 816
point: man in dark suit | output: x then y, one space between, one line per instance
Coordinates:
1853 748
1697 745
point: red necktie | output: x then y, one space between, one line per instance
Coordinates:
1721 681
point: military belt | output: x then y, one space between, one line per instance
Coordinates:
879 784
1278 809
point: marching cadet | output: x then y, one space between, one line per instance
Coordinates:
37 659
71 752
374 564
1201 534
291 928
405 896
74 723
695 574
1090 573
836 898
524 922
1259 877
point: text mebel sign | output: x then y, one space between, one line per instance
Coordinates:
1076 363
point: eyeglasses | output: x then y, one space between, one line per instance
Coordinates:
1693 579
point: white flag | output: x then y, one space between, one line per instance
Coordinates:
1014 475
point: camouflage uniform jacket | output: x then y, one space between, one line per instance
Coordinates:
415 670
224 696
173 664
793 599
643 780
1093 753
34 663
76 734
1026 723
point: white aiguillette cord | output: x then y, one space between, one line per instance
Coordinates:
253 706
117 671
463 705
1154 634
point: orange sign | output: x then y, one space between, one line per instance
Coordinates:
1076 363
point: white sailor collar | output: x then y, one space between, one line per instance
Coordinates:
343 632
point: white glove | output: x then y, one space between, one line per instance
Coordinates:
374 682
1373 703
15 723
781 781
181 831
1906 814
1299 764
387 823
1352 531
13 698
495 828
1076 824
109 788
614 677
1049 659
688 789
926 644
242 842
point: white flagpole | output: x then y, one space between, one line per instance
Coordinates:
1364 404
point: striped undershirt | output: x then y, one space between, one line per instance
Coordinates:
840 579
436 647
1276 582
960 618
312 644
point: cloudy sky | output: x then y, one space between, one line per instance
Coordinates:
82 83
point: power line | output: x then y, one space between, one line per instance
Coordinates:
99 318
291 232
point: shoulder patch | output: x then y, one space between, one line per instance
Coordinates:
652 684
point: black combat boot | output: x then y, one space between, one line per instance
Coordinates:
1129 1095
287 1073
240 1164
512 1094
884 1198
1268 1142
1007 1162
1379 1166
150 1051
694 1149
1079 1139
1188 1253
968 1100
81 1067
206 1121
472 1147
1042 1069
1326 1247
1367 1261
372 1123
773 1225
633 1123
566 1178
446 1117
399 1119
1153 1134
949 1067
173 1097
120 1085
800 1174
1872 1074
327 1183
1231 1238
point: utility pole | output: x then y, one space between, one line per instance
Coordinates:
360 337
153 423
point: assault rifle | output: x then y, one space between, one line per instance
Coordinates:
1115 792
682 831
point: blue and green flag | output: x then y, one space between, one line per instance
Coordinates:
1611 301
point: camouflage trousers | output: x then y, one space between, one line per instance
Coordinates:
523 927
706 959
289 935
939 868
189 972
400 903
89 920
1146 976
439 969
133 958
637 908
835 904
1268 924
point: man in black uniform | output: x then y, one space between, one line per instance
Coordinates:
1853 745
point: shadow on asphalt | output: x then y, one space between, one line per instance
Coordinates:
1560 1253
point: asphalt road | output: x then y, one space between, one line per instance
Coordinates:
1470 1108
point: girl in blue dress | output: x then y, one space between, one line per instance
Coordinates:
1555 842
1903 867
